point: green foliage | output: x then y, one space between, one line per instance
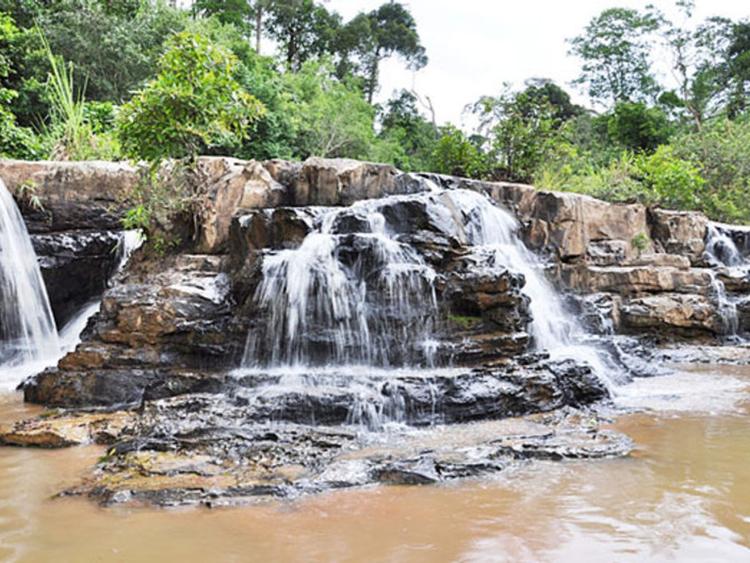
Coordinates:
372 37
15 141
237 13
640 242
637 127
329 118
720 150
114 52
615 51
520 129
303 29
195 102
406 138
456 155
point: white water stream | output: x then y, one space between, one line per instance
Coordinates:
312 291
29 340
28 337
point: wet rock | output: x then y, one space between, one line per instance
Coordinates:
170 331
743 314
600 312
204 457
76 266
58 430
739 234
725 354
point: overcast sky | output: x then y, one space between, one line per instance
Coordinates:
476 45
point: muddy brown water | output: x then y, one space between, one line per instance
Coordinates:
684 494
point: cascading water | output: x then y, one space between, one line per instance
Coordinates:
357 297
29 340
345 298
721 251
556 331
28 337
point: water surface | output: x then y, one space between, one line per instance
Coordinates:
683 495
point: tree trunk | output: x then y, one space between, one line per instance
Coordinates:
373 78
258 26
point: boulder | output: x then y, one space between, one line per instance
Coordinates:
679 232
566 225
227 185
158 333
672 314
72 195
76 266
340 181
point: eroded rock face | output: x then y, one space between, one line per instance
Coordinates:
77 267
228 186
341 181
671 314
680 232
73 195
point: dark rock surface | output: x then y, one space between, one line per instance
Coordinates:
76 266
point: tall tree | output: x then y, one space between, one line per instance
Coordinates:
382 33
615 50
236 12
302 29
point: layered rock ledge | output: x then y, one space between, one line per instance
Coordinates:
155 375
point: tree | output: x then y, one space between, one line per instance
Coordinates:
404 126
519 128
380 34
615 51
193 103
303 29
235 12
637 127
329 117
738 68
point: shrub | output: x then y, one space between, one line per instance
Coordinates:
194 103
456 155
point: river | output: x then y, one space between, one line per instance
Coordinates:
684 494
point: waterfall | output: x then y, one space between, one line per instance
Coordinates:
29 340
493 229
360 295
28 337
345 298
721 251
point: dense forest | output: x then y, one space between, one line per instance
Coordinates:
150 80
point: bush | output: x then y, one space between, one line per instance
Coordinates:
720 151
454 154
194 103
329 118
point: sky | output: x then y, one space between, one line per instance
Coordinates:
476 45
